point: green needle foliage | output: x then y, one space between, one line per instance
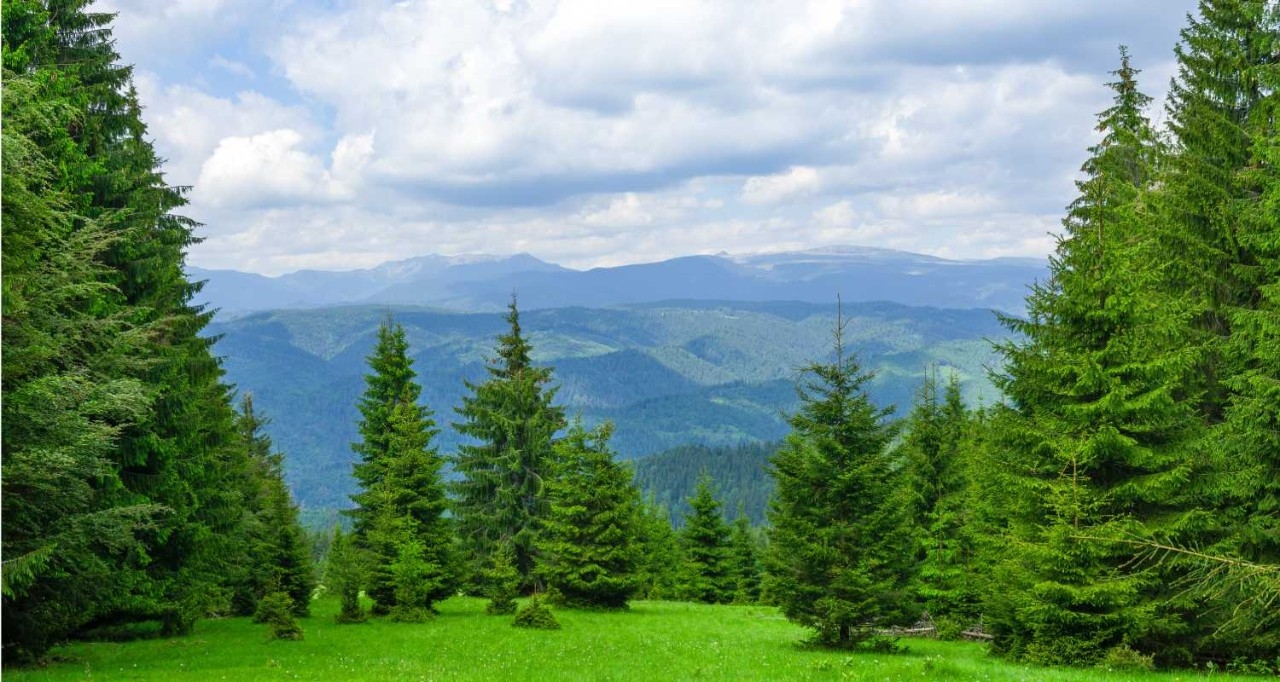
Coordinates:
400 517
707 574
502 581
590 549
276 610
837 561
1220 232
502 495
746 561
121 488
276 554
343 575
662 558
1099 433
937 499
536 616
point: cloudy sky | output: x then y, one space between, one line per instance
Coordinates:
345 133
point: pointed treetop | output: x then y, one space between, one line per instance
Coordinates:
513 349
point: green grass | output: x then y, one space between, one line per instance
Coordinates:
652 641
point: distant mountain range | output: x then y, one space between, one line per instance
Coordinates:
667 374
486 283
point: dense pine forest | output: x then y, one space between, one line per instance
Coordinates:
1119 506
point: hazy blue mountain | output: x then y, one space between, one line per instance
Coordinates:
667 374
485 283
425 280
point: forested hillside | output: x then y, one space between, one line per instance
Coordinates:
669 478
667 374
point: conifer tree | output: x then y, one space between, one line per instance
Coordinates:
837 562
707 575
179 453
501 581
71 387
400 518
661 554
274 552
1098 433
1219 231
390 380
1250 438
936 490
746 561
1217 110
589 544
511 421
343 575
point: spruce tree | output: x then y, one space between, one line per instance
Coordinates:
1098 433
707 575
343 574
179 453
274 554
71 387
661 554
746 561
510 420
1250 437
936 488
400 518
1220 231
390 380
837 562
589 544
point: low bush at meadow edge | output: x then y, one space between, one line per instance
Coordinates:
651 641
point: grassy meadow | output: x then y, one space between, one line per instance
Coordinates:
652 641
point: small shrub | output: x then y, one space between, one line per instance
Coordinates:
1064 650
1247 666
403 613
1123 658
881 645
503 582
351 611
950 627
276 610
536 615
500 606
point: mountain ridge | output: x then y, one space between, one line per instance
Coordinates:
479 282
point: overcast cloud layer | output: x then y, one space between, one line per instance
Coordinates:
340 135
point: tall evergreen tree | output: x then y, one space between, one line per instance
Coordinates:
400 518
1250 438
1220 236
590 550
707 575
1216 115
837 561
936 489
273 549
1099 432
511 421
71 387
179 453
390 380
